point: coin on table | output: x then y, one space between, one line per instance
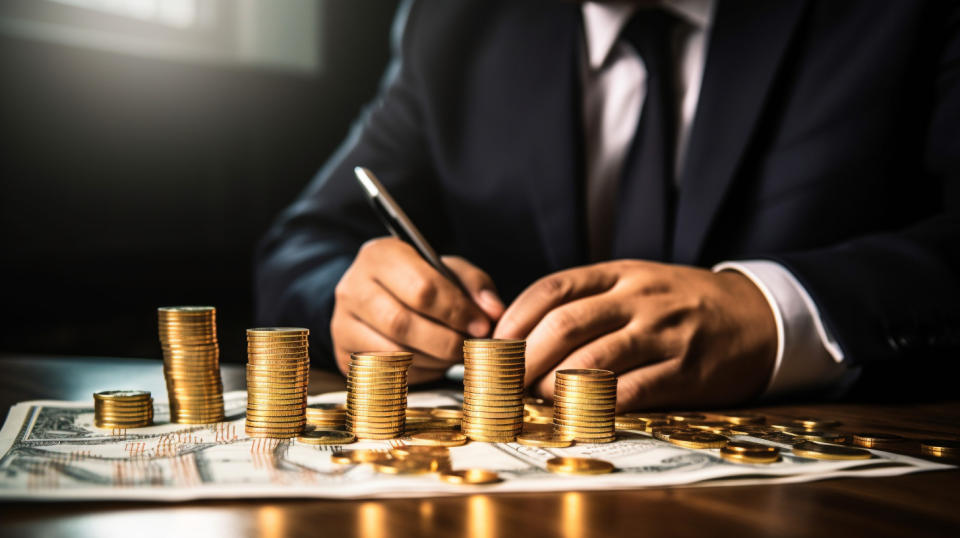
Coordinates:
326 437
409 466
579 466
877 440
438 438
747 452
470 477
940 448
817 435
812 423
544 439
811 449
447 411
685 416
698 439
740 418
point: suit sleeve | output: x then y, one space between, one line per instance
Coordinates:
314 241
891 299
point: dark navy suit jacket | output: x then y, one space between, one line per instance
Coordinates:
827 138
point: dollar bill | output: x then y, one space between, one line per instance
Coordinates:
52 450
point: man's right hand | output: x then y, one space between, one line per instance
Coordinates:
391 299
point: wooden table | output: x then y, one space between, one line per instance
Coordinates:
919 504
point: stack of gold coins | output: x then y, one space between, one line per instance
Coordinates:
327 416
377 394
584 402
278 373
191 363
122 409
493 389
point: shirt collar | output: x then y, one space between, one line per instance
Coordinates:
602 22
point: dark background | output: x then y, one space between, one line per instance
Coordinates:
128 183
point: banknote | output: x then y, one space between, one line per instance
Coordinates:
51 450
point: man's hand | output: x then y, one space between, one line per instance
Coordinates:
675 335
390 299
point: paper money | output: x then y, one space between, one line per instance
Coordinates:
52 450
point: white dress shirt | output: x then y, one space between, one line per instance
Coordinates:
614 88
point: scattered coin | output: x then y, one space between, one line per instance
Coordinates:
747 452
698 439
940 448
326 437
579 466
811 449
470 477
438 438
544 440
877 440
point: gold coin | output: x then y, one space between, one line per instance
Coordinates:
816 423
420 451
436 424
470 477
594 373
940 448
513 414
748 429
811 449
326 437
746 452
438 439
685 417
544 439
814 435
877 440
122 395
402 467
699 439
579 466
359 456
626 423
447 411
739 418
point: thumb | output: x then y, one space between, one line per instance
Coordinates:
479 284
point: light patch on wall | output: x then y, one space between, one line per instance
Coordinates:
270 34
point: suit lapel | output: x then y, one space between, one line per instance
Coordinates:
749 38
545 67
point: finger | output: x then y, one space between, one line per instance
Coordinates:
568 327
395 321
479 284
618 352
359 337
423 289
548 293
656 386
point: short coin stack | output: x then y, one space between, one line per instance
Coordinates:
191 363
122 409
278 370
377 394
327 416
493 389
584 402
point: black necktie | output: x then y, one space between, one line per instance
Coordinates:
645 206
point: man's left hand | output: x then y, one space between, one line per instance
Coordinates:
675 335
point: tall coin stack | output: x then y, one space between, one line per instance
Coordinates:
122 409
191 363
584 403
278 373
377 394
493 389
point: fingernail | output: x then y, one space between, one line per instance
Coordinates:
490 301
478 328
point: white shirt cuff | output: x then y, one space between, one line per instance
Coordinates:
808 358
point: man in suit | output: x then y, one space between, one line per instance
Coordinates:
718 200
